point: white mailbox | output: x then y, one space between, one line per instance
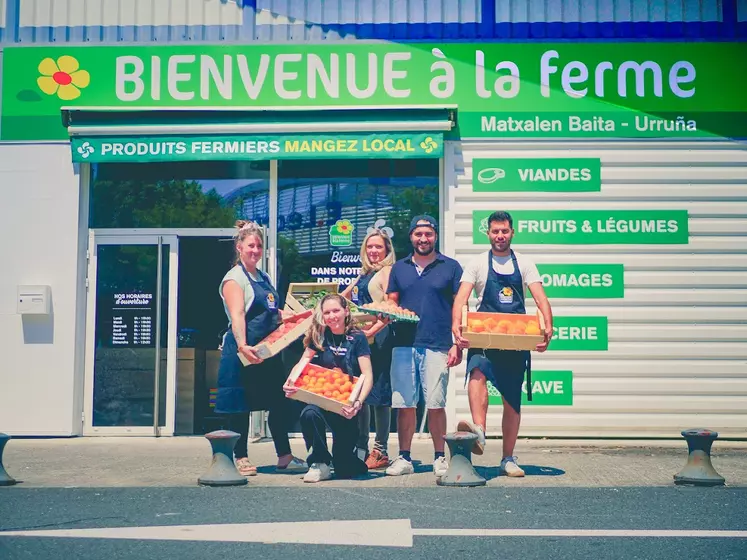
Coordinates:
34 300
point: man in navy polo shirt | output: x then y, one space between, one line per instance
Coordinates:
424 282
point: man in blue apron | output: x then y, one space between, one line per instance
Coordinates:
500 279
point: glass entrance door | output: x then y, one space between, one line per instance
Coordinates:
131 347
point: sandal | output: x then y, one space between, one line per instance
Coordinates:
295 465
245 467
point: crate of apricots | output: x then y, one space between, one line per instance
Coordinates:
330 389
504 331
292 327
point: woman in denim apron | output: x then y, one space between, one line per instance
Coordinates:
251 304
377 258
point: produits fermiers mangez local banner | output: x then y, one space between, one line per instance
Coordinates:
630 90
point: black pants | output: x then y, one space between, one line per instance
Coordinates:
280 419
314 423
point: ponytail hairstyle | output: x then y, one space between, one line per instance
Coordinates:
315 335
244 229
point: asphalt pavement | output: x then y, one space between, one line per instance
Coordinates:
424 522
109 498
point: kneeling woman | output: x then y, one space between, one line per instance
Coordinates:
333 342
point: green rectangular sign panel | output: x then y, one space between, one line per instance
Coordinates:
582 281
256 147
549 388
540 174
579 334
500 89
591 227
604 124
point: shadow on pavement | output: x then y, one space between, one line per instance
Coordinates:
489 473
271 470
534 470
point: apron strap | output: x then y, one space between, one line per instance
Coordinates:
529 376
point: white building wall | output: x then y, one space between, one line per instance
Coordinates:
41 370
677 355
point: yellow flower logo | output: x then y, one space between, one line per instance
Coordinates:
345 227
428 145
62 77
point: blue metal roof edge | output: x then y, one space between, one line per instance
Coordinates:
405 32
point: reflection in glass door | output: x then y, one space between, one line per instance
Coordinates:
318 197
127 375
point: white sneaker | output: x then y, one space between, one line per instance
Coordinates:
464 426
440 466
399 467
318 472
510 468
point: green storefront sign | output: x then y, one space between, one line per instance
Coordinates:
541 174
499 89
549 388
582 281
255 147
591 227
579 334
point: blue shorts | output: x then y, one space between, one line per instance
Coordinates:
503 368
416 370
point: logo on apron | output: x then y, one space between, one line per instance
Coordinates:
506 295
271 302
355 294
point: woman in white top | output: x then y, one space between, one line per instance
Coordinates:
251 304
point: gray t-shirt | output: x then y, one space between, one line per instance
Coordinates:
476 271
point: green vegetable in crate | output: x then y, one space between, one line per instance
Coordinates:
312 300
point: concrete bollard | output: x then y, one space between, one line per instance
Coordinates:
222 471
461 472
5 478
698 470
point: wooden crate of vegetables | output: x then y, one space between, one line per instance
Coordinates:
504 331
330 389
288 332
307 295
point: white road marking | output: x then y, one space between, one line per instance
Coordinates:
645 533
386 532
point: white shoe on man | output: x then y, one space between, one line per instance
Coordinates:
400 466
509 467
479 446
440 467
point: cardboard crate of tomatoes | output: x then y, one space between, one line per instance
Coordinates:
290 330
330 389
504 331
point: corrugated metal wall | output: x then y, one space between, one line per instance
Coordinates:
113 21
677 355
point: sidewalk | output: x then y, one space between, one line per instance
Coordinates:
137 462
